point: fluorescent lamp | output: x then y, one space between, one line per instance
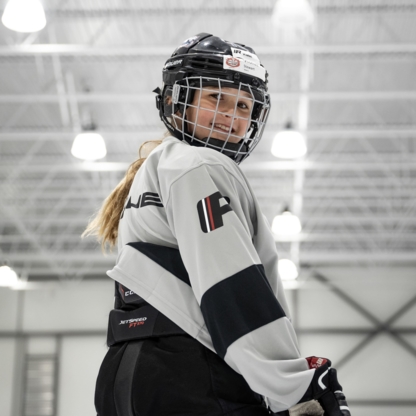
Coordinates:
289 144
89 146
24 16
286 224
292 13
287 269
8 277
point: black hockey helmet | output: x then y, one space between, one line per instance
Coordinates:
205 61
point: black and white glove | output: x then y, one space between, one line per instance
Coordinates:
311 408
326 389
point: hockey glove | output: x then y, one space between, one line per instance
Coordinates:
325 388
312 408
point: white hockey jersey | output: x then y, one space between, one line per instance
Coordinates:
198 201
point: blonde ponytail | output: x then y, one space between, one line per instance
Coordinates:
105 223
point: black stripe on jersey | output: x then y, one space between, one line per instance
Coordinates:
238 305
169 258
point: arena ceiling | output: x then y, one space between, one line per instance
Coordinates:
349 84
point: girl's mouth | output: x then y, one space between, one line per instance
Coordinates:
223 127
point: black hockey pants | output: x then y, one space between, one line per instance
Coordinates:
175 376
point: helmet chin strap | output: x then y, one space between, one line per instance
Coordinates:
229 150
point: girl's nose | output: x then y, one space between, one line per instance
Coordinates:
228 108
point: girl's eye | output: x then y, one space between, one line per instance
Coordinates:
243 105
216 95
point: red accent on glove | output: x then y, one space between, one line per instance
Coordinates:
316 362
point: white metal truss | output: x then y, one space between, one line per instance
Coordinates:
359 177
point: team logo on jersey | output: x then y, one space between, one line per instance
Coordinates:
210 212
144 200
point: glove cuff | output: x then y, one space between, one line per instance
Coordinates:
320 381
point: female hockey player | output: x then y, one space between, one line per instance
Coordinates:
201 325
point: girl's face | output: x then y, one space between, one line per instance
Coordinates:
232 116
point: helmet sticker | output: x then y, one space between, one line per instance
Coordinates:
233 62
175 93
244 66
188 41
248 56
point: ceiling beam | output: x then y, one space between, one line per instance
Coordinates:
346 196
351 237
278 165
148 98
137 132
164 51
311 257
333 218
302 237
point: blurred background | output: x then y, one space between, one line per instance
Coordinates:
342 202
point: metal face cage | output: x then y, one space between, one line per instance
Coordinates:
218 114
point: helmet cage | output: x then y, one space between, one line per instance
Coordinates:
182 93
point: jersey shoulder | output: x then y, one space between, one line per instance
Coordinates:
176 158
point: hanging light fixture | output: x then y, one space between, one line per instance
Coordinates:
8 276
89 145
292 13
289 143
24 16
286 223
287 269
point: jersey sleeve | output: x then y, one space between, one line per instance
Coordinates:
207 210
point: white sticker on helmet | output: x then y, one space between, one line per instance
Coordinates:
189 41
248 56
175 93
244 66
186 43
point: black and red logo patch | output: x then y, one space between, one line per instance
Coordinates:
210 212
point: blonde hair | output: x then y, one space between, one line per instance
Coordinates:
105 224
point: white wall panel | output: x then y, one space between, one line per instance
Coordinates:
411 339
382 370
8 309
334 347
7 359
408 319
319 307
69 306
382 411
382 291
80 360
41 345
